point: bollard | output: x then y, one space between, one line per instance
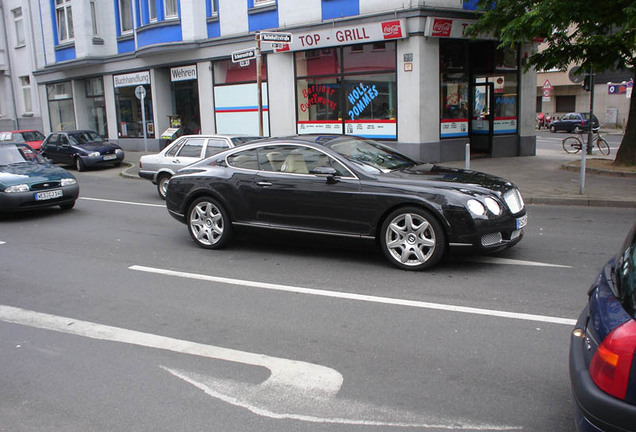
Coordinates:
467 164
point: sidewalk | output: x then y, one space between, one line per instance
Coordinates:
547 178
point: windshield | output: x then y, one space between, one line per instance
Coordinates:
16 154
85 137
371 153
32 136
626 274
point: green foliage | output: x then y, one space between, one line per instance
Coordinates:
583 32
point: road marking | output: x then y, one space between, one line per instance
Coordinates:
508 261
358 297
1 243
295 375
294 390
122 202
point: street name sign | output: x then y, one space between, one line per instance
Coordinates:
244 55
276 37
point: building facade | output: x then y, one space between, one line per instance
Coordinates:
402 72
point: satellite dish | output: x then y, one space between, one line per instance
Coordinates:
575 76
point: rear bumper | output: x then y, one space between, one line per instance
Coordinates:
148 175
595 409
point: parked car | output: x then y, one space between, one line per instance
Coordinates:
346 186
602 347
187 149
31 137
82 148
573 122
28 181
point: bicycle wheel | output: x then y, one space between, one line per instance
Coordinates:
603 146
572 145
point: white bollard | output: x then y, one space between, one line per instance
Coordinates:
467 164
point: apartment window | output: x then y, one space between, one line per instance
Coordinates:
258 3
94 18
64 17
25 82
152 10
19 26
211 7
171 8
125 16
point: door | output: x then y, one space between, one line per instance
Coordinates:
482 116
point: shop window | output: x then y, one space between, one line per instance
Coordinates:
227 72
454 89
60 102
128 106
369 58
325 61
64 20
96 105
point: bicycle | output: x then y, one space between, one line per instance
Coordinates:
574 144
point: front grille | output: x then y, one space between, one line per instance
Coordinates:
491 239
45 185
514 201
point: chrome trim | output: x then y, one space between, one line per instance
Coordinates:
301 230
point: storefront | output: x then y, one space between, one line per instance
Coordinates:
185 97
128 106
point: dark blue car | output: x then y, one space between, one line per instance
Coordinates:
28 181
573 122
602 360
82 148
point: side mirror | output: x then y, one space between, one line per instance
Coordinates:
328 172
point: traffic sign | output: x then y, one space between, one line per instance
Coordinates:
140 92
547 85
276 37
244 55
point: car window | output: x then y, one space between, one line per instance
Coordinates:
192 148
13 154
174 147
18 137
626 274
32 136
3 137
64 140
246 159
297 159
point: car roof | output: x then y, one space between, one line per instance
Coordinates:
23 130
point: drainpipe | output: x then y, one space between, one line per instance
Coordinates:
9 70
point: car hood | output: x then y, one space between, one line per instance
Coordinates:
451 178
99 147
30 173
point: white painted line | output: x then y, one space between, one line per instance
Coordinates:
1 243
122 202
359 297
508 261
294 375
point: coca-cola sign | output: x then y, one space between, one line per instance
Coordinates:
442 27
392 29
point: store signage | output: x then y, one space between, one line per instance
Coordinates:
276 37
347 35
447 27
183 73
243 55
131 79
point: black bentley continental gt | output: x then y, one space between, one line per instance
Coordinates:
346 186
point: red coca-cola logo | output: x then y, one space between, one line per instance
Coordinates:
392 29
442 27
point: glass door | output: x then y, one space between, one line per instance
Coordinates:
482 116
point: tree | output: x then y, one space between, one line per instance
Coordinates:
583 32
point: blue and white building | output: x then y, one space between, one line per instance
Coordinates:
399 71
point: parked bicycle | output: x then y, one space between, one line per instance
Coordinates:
573 144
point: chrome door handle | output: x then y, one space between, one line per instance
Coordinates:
264 183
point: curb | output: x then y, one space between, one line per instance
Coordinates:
573 166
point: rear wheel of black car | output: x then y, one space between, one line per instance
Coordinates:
162 185
208 223
413 239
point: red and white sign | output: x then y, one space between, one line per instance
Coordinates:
446 27
347 35
547 85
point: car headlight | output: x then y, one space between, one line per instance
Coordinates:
119 151
493 206
476 207
17 188
93 154
68 181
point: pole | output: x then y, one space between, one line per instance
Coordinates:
590 132
143 121
259 84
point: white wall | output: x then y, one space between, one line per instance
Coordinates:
233 17
290 14
280 79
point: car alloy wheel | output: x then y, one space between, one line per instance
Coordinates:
162 185
208 223
412 239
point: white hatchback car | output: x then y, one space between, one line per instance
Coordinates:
185 150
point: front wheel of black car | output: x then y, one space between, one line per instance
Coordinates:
413 239
208 223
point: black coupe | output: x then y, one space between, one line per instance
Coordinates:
346 186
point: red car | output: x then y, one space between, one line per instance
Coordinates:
31 137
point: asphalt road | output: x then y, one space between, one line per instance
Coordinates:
112 319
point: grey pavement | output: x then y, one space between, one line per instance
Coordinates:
550 177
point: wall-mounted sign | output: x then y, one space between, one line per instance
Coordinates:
447 28
244 55
347 35
131 79
183 73
276 37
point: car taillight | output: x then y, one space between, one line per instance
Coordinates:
612 362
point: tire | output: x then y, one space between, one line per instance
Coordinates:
68 206
578 129
208 223
572 145
412 239
603 146
553 129
79 164
162 185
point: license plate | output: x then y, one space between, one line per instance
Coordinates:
47 195
522 221
110 157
